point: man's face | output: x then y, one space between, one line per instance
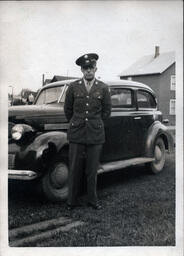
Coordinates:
89 72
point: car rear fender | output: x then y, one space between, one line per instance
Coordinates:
157 129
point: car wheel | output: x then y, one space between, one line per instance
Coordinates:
159 154
55 182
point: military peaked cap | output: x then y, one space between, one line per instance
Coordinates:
86 60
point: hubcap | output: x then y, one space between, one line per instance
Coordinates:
158 153
59 175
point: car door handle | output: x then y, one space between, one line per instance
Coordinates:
137 117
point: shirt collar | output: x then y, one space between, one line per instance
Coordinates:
91 82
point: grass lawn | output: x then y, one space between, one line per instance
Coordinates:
138 210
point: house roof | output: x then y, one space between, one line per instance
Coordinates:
60 78
47 81
150 65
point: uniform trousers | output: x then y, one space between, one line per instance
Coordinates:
92 153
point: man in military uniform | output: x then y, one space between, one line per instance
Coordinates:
87 105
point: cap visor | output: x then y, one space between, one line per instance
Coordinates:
87 66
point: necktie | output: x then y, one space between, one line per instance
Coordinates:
88 86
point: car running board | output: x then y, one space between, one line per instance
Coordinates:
115 165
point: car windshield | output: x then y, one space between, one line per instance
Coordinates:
51 95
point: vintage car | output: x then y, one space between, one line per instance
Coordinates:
38 146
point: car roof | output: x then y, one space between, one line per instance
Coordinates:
112 83
115 83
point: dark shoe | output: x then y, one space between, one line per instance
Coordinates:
96 206
70 207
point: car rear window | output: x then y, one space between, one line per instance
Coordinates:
145 100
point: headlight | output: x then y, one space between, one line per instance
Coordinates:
19 130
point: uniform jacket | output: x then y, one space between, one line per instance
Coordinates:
87 111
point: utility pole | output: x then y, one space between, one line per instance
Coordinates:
43 80
11 94
67 73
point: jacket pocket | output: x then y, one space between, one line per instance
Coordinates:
78 95
97 95
75 123
97 124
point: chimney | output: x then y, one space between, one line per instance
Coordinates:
157 53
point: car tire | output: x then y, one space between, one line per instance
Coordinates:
159 154
55 182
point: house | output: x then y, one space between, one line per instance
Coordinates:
47 81
26 92
57 78
157 71
26 96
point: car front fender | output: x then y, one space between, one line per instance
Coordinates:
48 143
38 154
157 129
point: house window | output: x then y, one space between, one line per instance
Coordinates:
172 107
173 83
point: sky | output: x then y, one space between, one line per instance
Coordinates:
46 37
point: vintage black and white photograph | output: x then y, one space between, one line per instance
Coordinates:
91 128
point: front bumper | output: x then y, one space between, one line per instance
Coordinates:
22 175
20 168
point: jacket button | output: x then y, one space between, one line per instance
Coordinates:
87 112
87 104
87 97
86 119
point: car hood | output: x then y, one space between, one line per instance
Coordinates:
37 114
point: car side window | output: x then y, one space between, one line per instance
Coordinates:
145 100
121 97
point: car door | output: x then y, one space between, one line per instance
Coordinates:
145 115
119 128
